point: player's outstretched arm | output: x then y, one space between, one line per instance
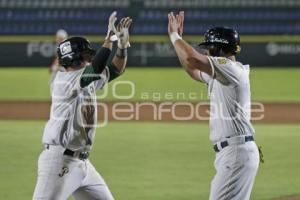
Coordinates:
117 66
190 59
100 59
99 62
102 55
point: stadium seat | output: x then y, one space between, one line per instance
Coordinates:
88 15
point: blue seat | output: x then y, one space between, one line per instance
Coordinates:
94 20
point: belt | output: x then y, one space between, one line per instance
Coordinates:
81 155
75 154
235 140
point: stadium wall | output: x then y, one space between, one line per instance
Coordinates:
153 50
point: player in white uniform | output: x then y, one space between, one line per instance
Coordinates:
231 132
63 167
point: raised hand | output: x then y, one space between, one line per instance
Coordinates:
180 20
173 25
176 23
111 27
122 32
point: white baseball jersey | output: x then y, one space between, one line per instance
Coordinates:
73 114
229 92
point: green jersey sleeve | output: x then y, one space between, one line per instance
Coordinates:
89 75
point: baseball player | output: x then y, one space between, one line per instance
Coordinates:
63 167
231 132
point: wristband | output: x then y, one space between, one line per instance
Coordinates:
174 37
121 53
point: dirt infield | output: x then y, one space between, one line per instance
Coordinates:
153 111
288 198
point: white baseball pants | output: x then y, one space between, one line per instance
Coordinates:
61 176
236 167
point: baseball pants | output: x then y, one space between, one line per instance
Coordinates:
236 168
61 176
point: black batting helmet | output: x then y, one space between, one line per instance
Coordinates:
70 51
223 39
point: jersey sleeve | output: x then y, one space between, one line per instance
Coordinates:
205 78
109 73
89 75
225 70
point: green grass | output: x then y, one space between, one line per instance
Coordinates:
148 161
153 84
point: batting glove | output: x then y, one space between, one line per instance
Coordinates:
123 33
111 27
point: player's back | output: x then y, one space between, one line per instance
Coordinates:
230 101
71 104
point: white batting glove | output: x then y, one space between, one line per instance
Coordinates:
111 29
123 33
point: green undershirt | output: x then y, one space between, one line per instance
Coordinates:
89 74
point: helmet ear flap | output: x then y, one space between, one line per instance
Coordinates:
66 61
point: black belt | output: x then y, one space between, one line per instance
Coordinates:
224 144
82 155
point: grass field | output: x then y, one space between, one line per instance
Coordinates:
152 161
267 84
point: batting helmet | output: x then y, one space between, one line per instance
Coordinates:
70 51
223 39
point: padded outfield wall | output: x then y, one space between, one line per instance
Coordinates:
153 50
